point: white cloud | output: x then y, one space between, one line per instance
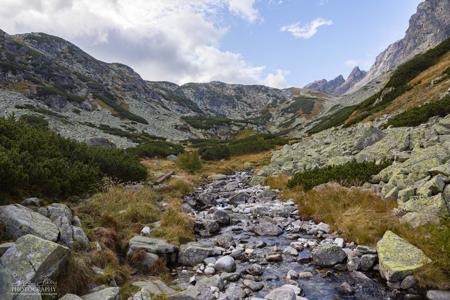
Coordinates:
277 79
308 30
174 40
244 8
352 62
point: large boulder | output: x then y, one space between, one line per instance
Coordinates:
19 220
422 210
32 260
110 293
156 246
194 253
398 258
155 287
327 255
225 264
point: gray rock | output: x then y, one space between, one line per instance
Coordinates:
345 289
221 217
225 241
70 297
156 246
305 275
202 289
32 202
156 287
32 259
110 293
225 264
266 227
80 237
327 255
438 295
253 285
282 293
255 269
193 253
368 261
19 220
4 247
408 282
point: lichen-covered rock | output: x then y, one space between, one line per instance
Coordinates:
155 287
32 259
19 220
110 293
284 292
398 258
423 210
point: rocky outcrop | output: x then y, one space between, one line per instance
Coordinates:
155 246
339 85
417 178
398 258
19 220
429 26
31 260
326 86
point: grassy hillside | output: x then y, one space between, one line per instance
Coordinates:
422 79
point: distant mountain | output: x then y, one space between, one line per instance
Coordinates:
84 98
339 85
429 26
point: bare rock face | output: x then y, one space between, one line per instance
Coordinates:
428 27
339 85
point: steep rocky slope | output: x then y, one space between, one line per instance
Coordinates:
429 26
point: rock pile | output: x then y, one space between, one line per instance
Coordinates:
259 248
418 178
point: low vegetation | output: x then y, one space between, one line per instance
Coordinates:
240 145
351 173
189 161
35 161
206 122
156 148
421 114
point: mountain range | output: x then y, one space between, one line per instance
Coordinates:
84 98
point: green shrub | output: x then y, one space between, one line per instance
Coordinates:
204 122
351 173
35 161
157 149
420 115
34 120
215 152
189 161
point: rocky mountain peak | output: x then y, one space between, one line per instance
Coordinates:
428 27
339 85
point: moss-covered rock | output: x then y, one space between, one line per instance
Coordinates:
398 258
34 260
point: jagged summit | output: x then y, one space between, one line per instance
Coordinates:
339 85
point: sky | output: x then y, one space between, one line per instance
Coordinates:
279 43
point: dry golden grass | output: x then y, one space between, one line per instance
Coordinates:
125 210
278 182
176 226
363 217
77 276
